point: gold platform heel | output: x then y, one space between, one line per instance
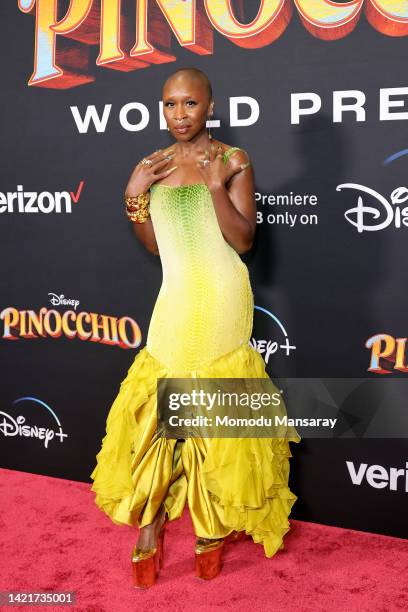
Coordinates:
146 564
208 556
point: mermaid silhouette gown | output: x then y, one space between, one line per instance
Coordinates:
200 326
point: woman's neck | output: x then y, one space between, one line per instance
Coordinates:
200 141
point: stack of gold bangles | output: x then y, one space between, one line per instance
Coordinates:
137 207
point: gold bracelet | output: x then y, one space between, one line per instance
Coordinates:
137 207
139 217
140 198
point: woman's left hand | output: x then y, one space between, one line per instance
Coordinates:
212 168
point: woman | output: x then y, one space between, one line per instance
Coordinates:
194 205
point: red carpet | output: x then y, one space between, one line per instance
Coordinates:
55 538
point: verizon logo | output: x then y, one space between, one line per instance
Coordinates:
21 201
379 477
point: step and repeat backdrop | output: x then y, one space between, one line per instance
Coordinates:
317 93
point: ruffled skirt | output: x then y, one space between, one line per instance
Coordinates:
229 484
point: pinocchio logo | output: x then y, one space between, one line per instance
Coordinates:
387 354
89 326
135 34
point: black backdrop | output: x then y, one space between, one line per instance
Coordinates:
321 286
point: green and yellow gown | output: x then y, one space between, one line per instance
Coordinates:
200 327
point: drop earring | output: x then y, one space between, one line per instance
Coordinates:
209 131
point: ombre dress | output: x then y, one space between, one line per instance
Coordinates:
200 327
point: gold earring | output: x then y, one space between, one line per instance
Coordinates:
168 128
209 132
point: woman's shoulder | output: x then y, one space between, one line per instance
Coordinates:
236 154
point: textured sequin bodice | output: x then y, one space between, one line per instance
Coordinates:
204 308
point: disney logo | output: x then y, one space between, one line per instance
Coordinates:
269 347
58 300
15 427
266 347
384 214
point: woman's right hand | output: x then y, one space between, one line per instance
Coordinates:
143 175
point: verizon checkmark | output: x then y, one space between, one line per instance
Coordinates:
75 196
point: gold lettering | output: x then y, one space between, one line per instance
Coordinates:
389 17
269 24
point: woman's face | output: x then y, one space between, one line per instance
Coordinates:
186 106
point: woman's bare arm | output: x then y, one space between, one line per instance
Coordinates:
139 182
235 205
145 233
